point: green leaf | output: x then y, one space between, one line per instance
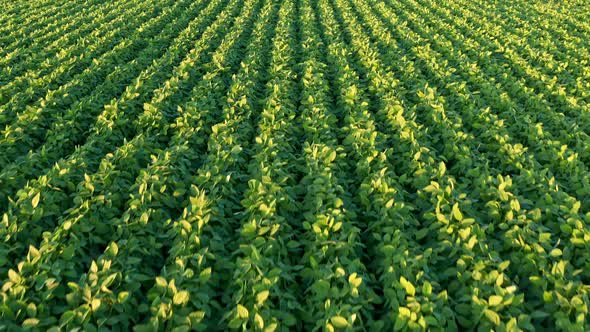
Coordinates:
400 323
566 228
421 233
539 314
235 323
143 328
236 149
321 288
67 317
181 328
388 250
292 244
339 321
290 320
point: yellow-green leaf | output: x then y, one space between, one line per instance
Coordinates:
262 296
354 280
181 298
259 321
492 316
457 213
329 327
404 312
242 311
13 276
161 282
339 321
30 322
555 252
205 275
271 327
33 251
113 249
495 300
35 200
410 290
32 310
427 288
122 297
95 304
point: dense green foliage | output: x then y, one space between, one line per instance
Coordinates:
295 165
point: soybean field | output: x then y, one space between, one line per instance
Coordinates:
294 165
